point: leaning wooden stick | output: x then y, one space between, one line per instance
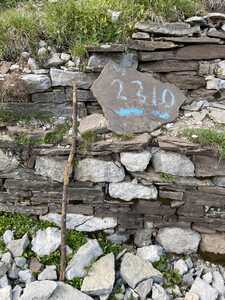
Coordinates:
67 174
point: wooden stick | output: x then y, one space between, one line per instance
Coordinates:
67 174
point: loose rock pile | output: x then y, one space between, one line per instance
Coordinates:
147 272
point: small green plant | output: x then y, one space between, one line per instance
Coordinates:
87 138
107 246
207 137
52 259
124 137
75 239
57 135
11 117
76 282
172 277
167 177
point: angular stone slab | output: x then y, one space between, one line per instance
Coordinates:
135 102
150 45
174 29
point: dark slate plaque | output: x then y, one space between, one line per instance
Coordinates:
135 102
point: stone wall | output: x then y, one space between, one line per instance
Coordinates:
137 179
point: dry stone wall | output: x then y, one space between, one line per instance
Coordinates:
125 181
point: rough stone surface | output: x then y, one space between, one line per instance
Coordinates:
50 167
219 181
144 288
159 293
81 260
39 290
49 273
181 267
99 171
7 163
128 191
6 293
17 247
204 290
178 240
173 163
127 114
101 277
37 83
94 122
135 161
134 270
213 243
46 241
66 292
150 253
83 223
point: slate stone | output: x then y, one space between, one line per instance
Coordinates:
150 45
135 102
219 181
174 29
7 163
94 122
169 66
37 83
81 260
213 243
128 191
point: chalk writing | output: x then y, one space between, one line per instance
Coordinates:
131 111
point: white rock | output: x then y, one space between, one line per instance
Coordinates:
3 268
54 61
213 243
134 270
191 296
7 258
220 70
135 161
16 292
215 83
150 253
64 78
181 267
26 276
179 240
6 293
159 293
83 223
4 281
217 115
96 170
13 272
219 181
20 261
208 277
81 260
37 83
7 163
39 290
218 283
49 273
46 241
67 292
93 122
101 277
173 163
65 57
204 290
128 191
8 236
50 167
17 247
144 288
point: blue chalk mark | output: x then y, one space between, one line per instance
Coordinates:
131 111
162 115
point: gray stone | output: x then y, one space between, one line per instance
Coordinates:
150 253
141 36
49 273
50 167
13 272
219 181
128 191
81 260
67 292
101 277
159 293
4 281
20 261
208 277
7 258
143 237
215 83
39 290
218 283
134 270
96 170
94 122
174 29
144 288
16 292
65 57
173 163
46 241
17 247
188 279
179 240
3 268
118 238
54 61
125 104
37 83
7 163
83 223
26 276
6 293
8 236
181 266
217 115
135 161
196 20
204 290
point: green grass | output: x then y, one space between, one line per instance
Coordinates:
72 24
167 177
207 137
57 135
7 116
